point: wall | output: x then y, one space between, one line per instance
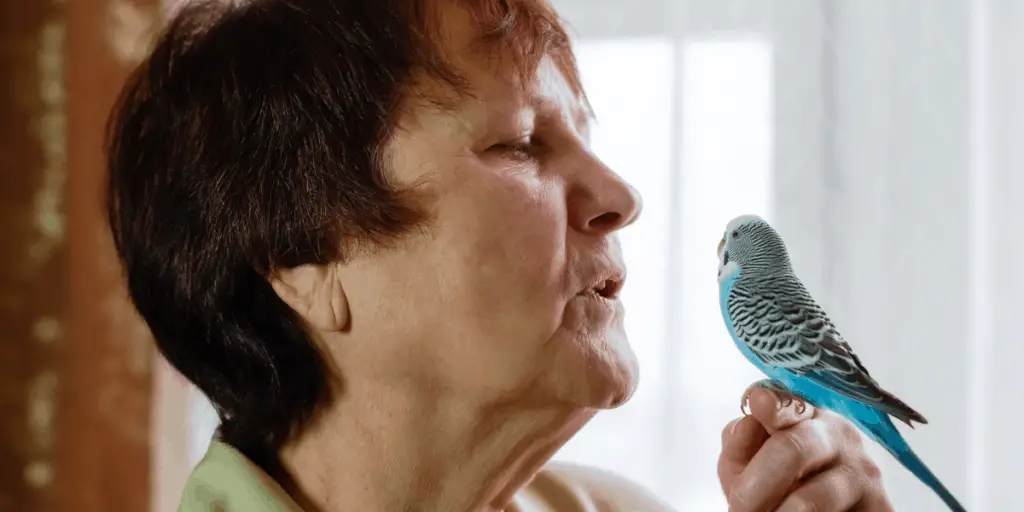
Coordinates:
75 363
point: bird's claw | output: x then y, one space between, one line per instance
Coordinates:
801 406
786 397
789 399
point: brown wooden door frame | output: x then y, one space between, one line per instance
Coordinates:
105 392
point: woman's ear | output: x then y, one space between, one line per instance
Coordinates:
315 292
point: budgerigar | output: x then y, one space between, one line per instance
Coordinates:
780 328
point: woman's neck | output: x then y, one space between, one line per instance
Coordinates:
381 448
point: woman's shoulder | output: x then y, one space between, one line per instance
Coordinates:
574 487
225 480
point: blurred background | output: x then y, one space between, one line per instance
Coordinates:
881 137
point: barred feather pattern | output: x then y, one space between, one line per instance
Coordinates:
779 321
776 317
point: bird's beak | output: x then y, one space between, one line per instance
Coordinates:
721 246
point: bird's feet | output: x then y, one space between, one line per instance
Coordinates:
787 397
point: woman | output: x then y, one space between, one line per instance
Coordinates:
373 234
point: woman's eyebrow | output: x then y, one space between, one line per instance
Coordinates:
579 119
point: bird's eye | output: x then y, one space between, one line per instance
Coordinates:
736 234
725 258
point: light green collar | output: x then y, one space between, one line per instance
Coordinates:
227 481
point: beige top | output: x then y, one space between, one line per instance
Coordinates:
226 481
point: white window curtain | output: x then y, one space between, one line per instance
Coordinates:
881 137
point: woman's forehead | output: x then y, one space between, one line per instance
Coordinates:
491 93
492 104
498 72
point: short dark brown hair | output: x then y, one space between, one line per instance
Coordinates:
251 139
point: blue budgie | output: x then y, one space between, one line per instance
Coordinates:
780 328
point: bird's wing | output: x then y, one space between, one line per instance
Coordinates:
789 330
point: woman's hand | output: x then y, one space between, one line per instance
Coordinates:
776 459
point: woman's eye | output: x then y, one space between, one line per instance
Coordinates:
519 150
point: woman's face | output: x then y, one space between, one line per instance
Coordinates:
511 292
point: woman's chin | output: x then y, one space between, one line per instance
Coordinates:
622 380
601 373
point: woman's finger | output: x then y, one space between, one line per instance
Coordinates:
786 458
834 490
766 406
741 439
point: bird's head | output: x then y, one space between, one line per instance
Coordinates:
752 245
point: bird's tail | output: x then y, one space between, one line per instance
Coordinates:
885 433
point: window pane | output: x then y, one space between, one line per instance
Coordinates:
726 163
